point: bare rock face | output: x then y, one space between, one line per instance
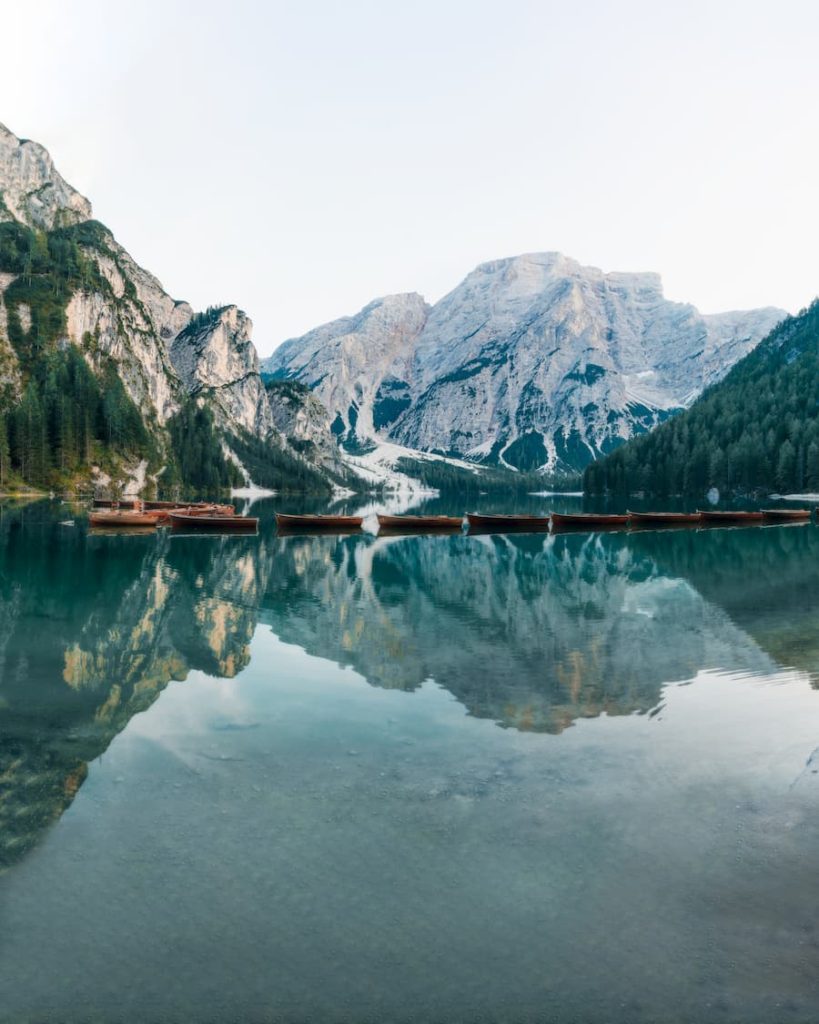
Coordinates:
217 358
300 417
31 190
122 331
535 362
161 350
353 363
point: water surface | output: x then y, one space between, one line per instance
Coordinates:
498 778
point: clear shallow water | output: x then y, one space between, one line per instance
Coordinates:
408 779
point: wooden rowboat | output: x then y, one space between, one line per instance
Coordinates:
325 522
730 516
151 506
660 518
125 518
420 522
490 522
126 503
588 520
212 521
205 510
117 531
786 513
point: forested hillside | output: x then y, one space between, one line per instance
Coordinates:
106 380
758 429
65 417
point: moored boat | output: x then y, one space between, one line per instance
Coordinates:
125 518
786 514
420 522
125 503
587 520
662 518
730 516
318 522
494 522
212 521
202 509
117 531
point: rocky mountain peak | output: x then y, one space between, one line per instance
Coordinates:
532 361
32 191
214 355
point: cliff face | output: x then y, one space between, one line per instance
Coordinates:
300 417
357 366
533 362
31 189
219 360
114 311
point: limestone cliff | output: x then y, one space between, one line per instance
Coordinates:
66 281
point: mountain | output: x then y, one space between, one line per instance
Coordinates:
756 430
104 377
534 362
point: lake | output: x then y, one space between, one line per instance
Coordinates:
518 778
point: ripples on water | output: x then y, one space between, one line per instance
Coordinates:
512 778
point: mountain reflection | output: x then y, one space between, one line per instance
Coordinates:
92 629
531 632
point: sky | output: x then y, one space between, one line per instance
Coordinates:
301 158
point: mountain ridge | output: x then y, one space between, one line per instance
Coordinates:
532 361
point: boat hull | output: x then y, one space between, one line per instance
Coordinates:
586 521
213 523
127 503
204 510
420 522
731 517
786 514
118 531
125 520
664 518
502 524
292 522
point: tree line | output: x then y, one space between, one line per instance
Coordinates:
756 430
64 414
198 460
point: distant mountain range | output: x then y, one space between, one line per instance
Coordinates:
533 362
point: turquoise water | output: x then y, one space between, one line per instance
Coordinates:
521 778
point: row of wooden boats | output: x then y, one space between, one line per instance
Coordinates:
195 516
529 523
203 516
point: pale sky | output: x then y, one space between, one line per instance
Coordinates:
301 158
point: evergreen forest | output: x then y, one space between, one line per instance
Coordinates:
757 430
